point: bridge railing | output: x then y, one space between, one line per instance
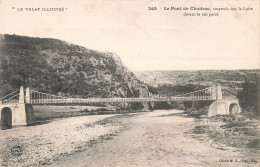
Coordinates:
36 97
105 100
12 97
10 101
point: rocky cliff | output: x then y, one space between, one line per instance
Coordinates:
57 67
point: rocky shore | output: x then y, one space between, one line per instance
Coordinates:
159 138
40 145
232 132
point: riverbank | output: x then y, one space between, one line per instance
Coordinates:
236 132
40 145
45 113
159 138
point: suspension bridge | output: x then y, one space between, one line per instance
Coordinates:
19 103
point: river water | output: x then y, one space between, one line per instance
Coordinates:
153 139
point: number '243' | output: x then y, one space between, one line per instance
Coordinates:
152 8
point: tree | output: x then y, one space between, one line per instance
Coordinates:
249 97
21 64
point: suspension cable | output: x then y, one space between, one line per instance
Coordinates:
13 96
10 94
193 92
47 94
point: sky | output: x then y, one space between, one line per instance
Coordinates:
146 39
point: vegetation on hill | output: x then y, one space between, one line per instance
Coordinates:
246 83
249 97
173 90
194 108
232 78
57 67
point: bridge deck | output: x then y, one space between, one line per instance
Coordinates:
106 100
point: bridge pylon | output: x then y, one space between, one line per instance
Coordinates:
21 95
19 112
27 95
216 92
222 106
219 92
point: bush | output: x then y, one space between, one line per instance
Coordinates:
249 97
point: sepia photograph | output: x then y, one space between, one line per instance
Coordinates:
129 83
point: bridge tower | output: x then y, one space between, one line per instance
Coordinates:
219 92
27 95
30 118
18 110
17 113
222 106
216 92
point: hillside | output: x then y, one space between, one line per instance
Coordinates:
231 78
57 67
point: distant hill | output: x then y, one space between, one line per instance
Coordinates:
57 67
232 78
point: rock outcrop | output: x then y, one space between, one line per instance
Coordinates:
57 67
